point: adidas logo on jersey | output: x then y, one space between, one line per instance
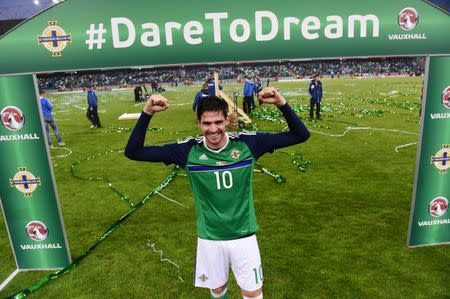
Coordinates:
203 157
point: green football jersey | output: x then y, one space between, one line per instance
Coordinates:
222 185
221 180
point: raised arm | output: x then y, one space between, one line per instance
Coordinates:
135 149
267 142
270 95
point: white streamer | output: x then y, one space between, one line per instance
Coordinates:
69 152
169 199
404 145
348 129
152 245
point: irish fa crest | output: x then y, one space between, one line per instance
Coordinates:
37 230
438 206
442 159
235 154
54 39
446 97
25 181
408 18
12 118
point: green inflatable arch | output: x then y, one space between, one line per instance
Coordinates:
111 34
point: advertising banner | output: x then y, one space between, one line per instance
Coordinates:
430 217
27 190
83 34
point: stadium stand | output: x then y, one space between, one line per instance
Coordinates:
287 70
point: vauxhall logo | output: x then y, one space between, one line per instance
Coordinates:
13 119
407 20
445 100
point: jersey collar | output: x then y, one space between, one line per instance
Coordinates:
217 150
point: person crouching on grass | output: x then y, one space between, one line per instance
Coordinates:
220 168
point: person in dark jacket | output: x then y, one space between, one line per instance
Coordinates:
258 85
249 101
138 93
315 91
203 93
92 111
212 85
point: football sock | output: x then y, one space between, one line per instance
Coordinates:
260 296
223 295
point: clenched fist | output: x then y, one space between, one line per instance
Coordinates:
270 95
156 103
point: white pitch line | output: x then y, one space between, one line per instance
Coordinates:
181 104
152 245
404 145
8 280
348 129
169 199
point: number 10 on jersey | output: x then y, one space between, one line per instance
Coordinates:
224 180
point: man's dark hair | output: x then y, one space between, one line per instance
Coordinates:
212 103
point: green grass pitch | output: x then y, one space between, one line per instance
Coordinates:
336 230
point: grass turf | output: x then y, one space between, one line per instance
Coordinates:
336 230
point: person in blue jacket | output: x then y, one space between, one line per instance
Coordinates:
92 111
249 101
203 93
258 87
47 111
212 85
315 91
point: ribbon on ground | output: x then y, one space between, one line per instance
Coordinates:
40 283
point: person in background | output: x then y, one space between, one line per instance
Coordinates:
92 111
154 86
249 101
138 93
315 91
212 85
258 83
258 88
47 111
203 93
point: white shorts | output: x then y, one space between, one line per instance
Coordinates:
215 257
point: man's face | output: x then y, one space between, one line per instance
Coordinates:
213 126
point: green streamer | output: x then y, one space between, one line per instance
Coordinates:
266 113
278 178
123 197
113 129
299 161
40 283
